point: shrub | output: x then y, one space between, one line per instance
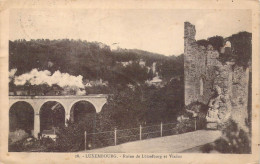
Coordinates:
17 135
234 140
70 138
207 148
201 110
185 126
32 144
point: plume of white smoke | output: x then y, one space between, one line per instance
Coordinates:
36 77
11 74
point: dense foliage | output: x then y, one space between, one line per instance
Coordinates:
146 104
241 47
217 42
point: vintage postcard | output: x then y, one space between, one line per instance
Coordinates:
129 81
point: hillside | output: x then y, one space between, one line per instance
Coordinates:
92 60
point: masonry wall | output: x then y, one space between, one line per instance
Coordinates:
240 93
195 63
203 69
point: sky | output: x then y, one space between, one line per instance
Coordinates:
155 30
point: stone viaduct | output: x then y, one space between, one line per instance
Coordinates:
98 101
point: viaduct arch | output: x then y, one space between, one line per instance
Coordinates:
98 101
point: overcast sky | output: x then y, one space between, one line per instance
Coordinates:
159 31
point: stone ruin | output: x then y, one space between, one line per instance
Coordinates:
221 86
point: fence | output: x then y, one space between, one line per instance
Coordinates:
119 136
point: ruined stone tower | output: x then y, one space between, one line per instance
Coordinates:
203 73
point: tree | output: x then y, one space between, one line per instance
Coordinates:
241 44
203 42
217 42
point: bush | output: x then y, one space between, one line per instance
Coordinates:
71 138
185 126
233 141
32 145
201 110
207 148
17 135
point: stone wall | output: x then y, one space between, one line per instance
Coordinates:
194 65
239 95
203 72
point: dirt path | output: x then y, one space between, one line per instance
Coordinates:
168 144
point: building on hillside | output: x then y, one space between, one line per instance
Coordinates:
154 67
156 81
124 64
142 63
